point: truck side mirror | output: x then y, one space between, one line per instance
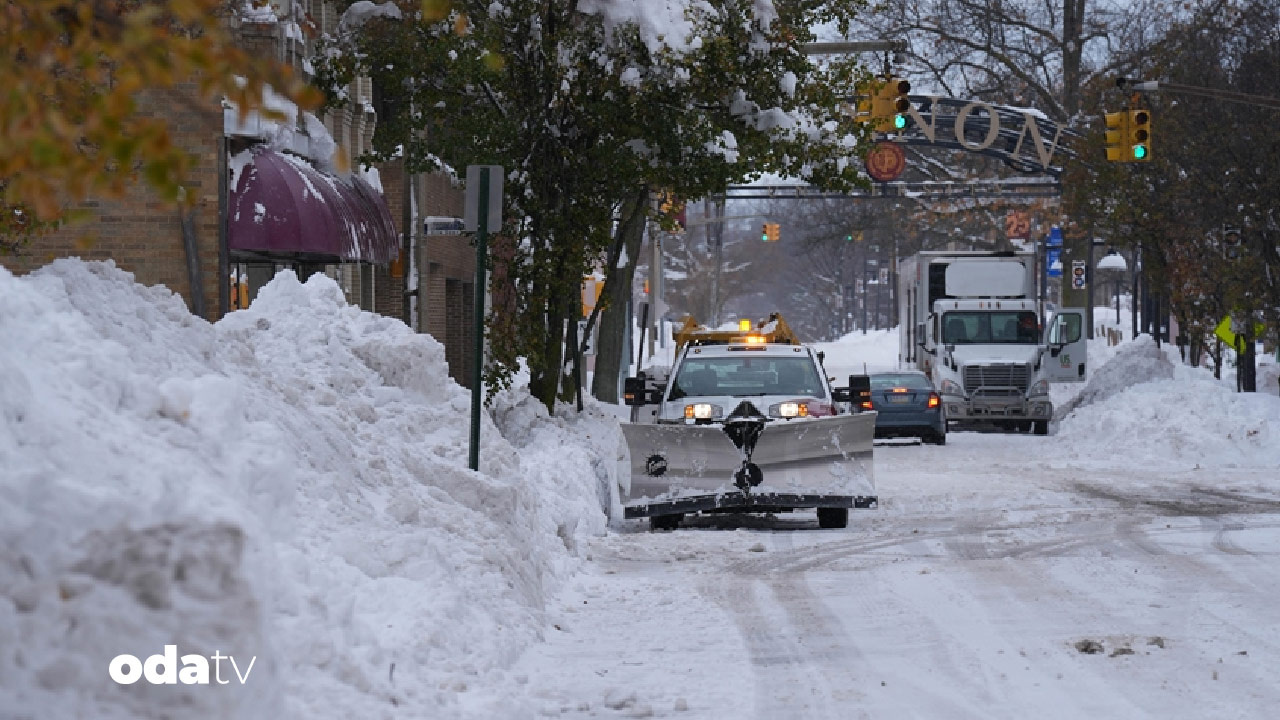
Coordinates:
633 391
840 394
859 389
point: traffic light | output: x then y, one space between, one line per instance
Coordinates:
889 104
864 109
1117 136
764 232
770 233
901 103
1139 135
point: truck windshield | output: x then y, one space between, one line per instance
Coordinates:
746 376
980 327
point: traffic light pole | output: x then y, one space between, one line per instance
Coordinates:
1216 94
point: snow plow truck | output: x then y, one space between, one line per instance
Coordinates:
746 421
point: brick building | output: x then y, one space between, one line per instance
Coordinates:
203 252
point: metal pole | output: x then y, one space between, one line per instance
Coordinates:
224 253
1044 276
1088 286
406 246
655 292
1133 290
716 235
854 46
864 291
1116 282
477 362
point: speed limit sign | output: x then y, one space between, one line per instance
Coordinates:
1077 275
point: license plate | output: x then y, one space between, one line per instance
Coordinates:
899 399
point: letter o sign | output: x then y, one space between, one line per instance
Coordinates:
125 669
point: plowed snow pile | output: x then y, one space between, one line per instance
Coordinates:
289 485
1155 412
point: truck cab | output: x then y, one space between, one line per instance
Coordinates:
990 363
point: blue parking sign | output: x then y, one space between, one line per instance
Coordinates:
1053 261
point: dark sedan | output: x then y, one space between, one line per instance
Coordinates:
908 406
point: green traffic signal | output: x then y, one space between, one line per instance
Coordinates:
899 121
1139 152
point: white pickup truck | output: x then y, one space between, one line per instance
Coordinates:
747 425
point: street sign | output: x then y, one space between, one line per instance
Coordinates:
1229 331
1017 225
886 161
1078 279
1053 261
1055 237
471 208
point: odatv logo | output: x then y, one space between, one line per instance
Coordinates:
163 669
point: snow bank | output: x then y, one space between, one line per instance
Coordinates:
1133 362
289 485
857 352
1154 412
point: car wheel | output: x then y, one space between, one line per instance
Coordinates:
833 517
1041 427
665 522
938 438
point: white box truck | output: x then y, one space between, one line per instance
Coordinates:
970 320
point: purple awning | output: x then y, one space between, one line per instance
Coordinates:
281 204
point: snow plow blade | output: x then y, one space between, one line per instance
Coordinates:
823 462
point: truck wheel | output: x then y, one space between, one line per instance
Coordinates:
1041 427
665 522
833 517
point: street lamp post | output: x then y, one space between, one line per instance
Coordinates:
1114 264
1089 280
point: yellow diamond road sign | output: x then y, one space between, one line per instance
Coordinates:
1227 332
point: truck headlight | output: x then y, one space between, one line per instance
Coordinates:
1040 387
701 411
949 387
789 409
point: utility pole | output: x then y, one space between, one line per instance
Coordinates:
715 238
863 280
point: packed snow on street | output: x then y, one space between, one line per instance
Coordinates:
289 487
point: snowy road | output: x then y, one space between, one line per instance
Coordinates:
993 582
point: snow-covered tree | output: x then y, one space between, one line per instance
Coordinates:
589 104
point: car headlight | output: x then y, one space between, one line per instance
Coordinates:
949 387
702 411
1040 387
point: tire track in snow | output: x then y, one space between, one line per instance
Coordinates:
785 682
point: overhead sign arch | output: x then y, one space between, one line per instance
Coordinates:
1024 138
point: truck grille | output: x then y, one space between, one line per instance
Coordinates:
993 376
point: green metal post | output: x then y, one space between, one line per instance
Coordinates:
477 362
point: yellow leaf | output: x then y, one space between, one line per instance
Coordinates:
435 9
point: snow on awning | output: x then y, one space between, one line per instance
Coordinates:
281 204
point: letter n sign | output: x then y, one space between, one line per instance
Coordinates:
471 211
